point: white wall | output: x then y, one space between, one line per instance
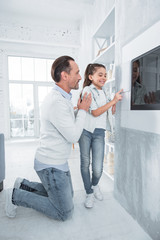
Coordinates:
137 165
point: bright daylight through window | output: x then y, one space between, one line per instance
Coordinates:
29 82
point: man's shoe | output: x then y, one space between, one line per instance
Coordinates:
89 202
97 193
10 208
17 183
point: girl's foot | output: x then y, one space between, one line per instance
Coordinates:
89 202
97 193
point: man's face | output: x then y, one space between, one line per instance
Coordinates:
74 77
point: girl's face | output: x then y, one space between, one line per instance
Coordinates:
99 78
135 72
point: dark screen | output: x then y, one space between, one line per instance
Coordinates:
145 77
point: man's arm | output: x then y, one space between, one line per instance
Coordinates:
63 119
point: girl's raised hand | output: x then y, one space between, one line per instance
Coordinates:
118 96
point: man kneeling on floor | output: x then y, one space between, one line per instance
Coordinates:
59 129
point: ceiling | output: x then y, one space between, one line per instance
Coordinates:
45 10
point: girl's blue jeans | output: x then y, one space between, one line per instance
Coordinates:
91 143
53 197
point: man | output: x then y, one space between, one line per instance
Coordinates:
59 129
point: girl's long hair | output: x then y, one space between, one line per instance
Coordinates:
138 79
90 70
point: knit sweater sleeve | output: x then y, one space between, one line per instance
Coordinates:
62 117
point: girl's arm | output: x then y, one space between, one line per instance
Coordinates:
104 108
114 109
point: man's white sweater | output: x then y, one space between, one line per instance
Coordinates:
59 129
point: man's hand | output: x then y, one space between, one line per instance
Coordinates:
85 103
150 98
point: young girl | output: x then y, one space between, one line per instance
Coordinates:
92 138
138 90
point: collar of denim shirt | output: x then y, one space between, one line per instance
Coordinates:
93 87
63 93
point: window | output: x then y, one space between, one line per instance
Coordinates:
29 82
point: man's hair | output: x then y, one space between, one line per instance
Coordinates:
59 65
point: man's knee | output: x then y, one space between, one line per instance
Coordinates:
66 215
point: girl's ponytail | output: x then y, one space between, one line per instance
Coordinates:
87 81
